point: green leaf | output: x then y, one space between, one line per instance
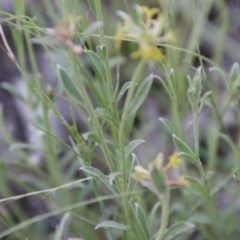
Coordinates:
93 6
141 94
91 136
203 100
131 180
102 52
141 216
123 90
19 7
131 146
200 218
23 146
112 177
114 225
96 64
183 148
61 230
234 78
167 124
158 178
177 229
68 84
153 212
166 87
196 187
100 176
104 114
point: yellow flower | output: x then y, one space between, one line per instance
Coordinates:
150 12
141 173
149 31
174 161
157 162
145 175
148 52
64 33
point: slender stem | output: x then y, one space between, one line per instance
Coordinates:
196 145
164 215
100 18
52 165
92 115
123 134
124 121
176 117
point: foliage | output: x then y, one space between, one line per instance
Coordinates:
137 88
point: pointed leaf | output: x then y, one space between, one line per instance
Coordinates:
22 146
114 225
167 124
96 64
131 146
183 147
141 94
100 176
68 84
123 90
142 218
234 76
177 229
62 229
153 212
200 218
196 187
158 178
93 7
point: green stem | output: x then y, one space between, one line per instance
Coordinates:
176 117
196 147
100 18
90 109
51 156
165 199
123 135
208 199
106 60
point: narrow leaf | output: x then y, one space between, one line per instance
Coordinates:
68 84
62 229
96 64
158 178
123 90
183 147
141 94
177 229
93 7
152 215
100 176
131 146
141 216
167 124
111 224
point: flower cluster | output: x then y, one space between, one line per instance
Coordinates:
145 175
149 30
64 33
